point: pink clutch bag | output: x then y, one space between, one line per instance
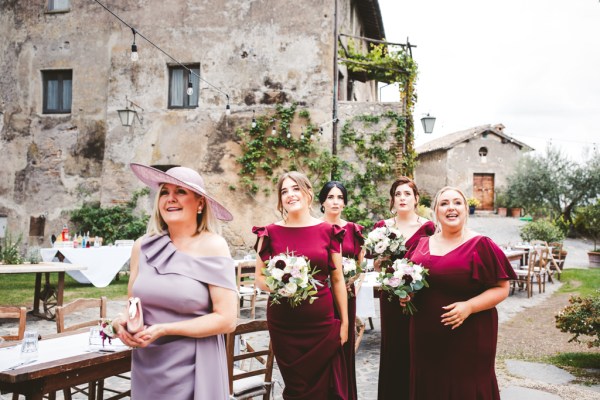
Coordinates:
135 317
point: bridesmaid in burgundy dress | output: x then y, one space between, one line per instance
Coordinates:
307 339
333 198
453 335
394 358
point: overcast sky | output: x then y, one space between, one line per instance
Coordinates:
532 65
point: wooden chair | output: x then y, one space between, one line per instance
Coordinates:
547 260
19 313
528 276
250 371
557 255
246 287
66 311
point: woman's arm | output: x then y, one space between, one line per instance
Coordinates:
120 321
340 295
259 278
458 312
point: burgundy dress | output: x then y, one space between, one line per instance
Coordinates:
306 338
459 363
351 248
174 286
394 357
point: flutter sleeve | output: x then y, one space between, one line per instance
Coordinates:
359 239
489 264
335 242
265 252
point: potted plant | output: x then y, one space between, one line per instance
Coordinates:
501 203
473 203
588 221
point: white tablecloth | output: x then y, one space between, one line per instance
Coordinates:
102 263
55 349
365 303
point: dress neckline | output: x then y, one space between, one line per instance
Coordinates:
450 251
300 227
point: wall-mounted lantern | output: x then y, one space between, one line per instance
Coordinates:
428 123
128 115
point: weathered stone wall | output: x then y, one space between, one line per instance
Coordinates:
259 52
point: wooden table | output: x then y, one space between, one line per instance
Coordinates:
50 296
517 255
38 379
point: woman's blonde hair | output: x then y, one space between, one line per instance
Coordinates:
206 221
302 182
436 199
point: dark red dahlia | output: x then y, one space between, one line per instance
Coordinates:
280 264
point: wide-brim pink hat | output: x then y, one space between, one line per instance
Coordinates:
180 176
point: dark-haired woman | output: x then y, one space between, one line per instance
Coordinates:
394 358
333 198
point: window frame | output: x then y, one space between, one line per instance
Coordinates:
61 75
186 76
50 8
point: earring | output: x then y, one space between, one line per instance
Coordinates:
393 211
199 211
323 209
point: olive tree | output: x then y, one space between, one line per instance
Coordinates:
551 184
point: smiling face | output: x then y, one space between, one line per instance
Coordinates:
334 202
451 209
404 199
292 197
178 205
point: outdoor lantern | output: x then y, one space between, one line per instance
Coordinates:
127 116
428 122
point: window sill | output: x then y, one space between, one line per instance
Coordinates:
62 11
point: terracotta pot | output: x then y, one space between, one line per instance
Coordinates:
594 259
502 211
515 212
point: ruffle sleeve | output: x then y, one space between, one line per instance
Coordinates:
336 239
265 252
359 239
162 255
489 263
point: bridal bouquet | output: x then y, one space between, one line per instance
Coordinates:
351 268
402 279
385 241
290 277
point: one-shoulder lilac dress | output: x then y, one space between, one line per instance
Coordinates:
174 286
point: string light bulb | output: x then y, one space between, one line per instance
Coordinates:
190 88
227 110
134 53
273 131
253 119
289 135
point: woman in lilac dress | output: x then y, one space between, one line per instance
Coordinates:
184 275
333 198
453 335
307 339
394 357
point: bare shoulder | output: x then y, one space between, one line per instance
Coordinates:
213 245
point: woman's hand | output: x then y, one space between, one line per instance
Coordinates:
457 313
350 283
120 327
149 334
405 300
344 332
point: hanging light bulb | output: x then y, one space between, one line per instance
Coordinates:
273 131
134 53
321 131
289 135
253 120
227 109
190 88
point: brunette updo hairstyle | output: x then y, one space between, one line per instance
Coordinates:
327 188
403 180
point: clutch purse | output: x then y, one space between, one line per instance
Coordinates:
135 316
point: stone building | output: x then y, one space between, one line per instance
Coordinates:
477 160
66 70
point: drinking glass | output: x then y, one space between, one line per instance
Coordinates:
95 340
29 346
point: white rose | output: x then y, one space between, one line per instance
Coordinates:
277 273
291 287
300 262
394 246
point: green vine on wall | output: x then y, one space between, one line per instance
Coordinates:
265 154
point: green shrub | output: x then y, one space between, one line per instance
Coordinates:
112 223
10 252
587 222
541 230
581 317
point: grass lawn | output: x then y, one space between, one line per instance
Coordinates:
17 289
580 281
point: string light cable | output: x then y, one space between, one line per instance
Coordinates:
135 57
